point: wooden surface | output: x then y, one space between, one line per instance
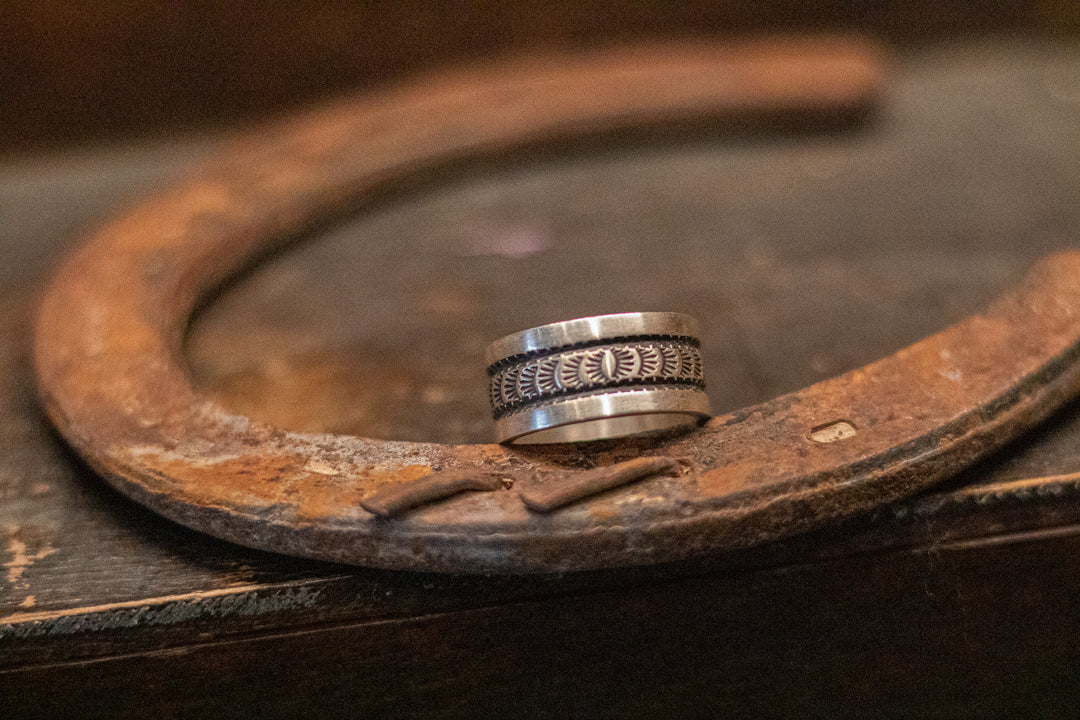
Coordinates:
825 251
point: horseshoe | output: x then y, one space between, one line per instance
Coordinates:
109 334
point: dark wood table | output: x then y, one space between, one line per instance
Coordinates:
804 255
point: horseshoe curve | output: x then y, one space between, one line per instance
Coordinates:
109 335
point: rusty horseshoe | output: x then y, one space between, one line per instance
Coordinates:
110 330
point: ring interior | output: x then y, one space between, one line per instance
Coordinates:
609 427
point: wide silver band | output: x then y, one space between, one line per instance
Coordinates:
598 377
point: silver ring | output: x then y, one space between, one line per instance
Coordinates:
597 377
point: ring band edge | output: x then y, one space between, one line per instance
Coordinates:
692 402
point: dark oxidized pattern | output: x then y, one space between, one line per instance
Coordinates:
617 365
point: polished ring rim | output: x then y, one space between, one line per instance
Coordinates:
567 333
629 412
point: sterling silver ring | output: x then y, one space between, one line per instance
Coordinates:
597 377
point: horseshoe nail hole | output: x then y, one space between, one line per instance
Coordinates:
833 432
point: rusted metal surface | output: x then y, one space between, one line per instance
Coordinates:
562 490
109 334
397 498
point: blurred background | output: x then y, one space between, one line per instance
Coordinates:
73 72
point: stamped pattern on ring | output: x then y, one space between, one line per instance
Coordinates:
538 379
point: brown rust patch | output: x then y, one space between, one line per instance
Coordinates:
400 497
246 480
335 495
377 477
567 488
728 479
603 510
484 455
